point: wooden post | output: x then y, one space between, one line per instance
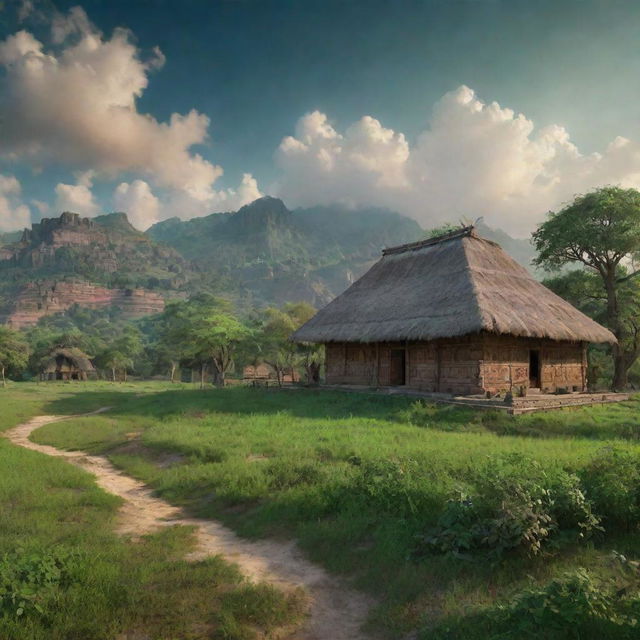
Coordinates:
584 366
377 364
406 364
344 359
438 366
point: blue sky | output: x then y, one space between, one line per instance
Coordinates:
255 68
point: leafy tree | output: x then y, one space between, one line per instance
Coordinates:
14 351
115 361
171 347
276 347
600 231
120 354
206 331
585 291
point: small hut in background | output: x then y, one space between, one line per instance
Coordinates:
67 364
456 315
264 373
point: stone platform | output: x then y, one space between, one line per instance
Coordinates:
513 406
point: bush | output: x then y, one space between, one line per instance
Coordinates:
386 485
29 579
516 505
576 605
612 482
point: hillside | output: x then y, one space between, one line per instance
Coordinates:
92 262
266 253
262 254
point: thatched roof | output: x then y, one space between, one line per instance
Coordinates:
453 285
75 356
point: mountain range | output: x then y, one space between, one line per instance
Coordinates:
261 254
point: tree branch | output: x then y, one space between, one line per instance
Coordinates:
628 277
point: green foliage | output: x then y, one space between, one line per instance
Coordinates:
576 605
273 339
612 481
599 230
65 574
14 352
448 227
516 505
354 478
31 579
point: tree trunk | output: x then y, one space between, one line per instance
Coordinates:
202 371
124 374
173 372
219 370
620 367
113 374
4 381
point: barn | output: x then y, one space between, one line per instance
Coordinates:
453 314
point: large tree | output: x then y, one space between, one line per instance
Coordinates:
14 351
209 332
600 231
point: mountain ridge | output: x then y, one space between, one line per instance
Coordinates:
262 254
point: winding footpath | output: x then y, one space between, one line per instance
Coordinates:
336 612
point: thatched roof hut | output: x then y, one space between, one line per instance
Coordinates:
459 298
453 285
67 363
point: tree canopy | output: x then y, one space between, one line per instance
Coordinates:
600 231
14 351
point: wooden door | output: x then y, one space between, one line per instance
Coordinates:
397 373
534 369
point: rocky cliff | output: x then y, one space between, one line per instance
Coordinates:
99 262
38 299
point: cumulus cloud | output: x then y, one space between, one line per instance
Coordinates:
76 104
14 214
77 197
473 159
138 201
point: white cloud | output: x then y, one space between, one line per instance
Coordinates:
42 207
76 104
77 197
182 205
138 202
14 215
474 159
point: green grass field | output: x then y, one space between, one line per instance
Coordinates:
65 575
451 517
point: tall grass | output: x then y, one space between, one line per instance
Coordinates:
359 479
65 574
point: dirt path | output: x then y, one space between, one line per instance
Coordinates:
335 611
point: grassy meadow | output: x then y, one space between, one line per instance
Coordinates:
462 523
65 575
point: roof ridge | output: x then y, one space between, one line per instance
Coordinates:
413 246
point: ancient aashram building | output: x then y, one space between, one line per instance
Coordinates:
453 314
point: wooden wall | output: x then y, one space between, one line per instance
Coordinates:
506 364
467 365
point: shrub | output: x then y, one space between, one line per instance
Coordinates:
576 605
612 482
29 579
386 485
516 505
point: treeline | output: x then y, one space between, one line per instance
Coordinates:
590 248
203 336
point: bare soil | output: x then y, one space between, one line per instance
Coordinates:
336 612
